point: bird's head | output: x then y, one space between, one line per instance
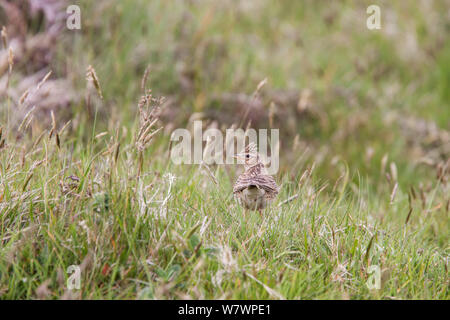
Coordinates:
249 156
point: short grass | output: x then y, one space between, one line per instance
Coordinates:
173 233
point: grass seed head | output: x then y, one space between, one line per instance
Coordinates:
4 36
144 78
91 76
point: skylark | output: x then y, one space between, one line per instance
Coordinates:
254 188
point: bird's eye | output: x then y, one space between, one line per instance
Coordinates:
247 156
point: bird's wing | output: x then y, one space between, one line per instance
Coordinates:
242 182
268 184
265 182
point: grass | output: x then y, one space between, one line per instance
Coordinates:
171 232
363 181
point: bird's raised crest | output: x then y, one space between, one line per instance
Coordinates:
251 148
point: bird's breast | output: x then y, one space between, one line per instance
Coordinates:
254 198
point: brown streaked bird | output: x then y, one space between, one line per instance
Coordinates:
254 188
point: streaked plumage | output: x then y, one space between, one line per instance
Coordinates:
254 188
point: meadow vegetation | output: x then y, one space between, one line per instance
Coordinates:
85 171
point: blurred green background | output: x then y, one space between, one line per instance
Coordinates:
337 90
